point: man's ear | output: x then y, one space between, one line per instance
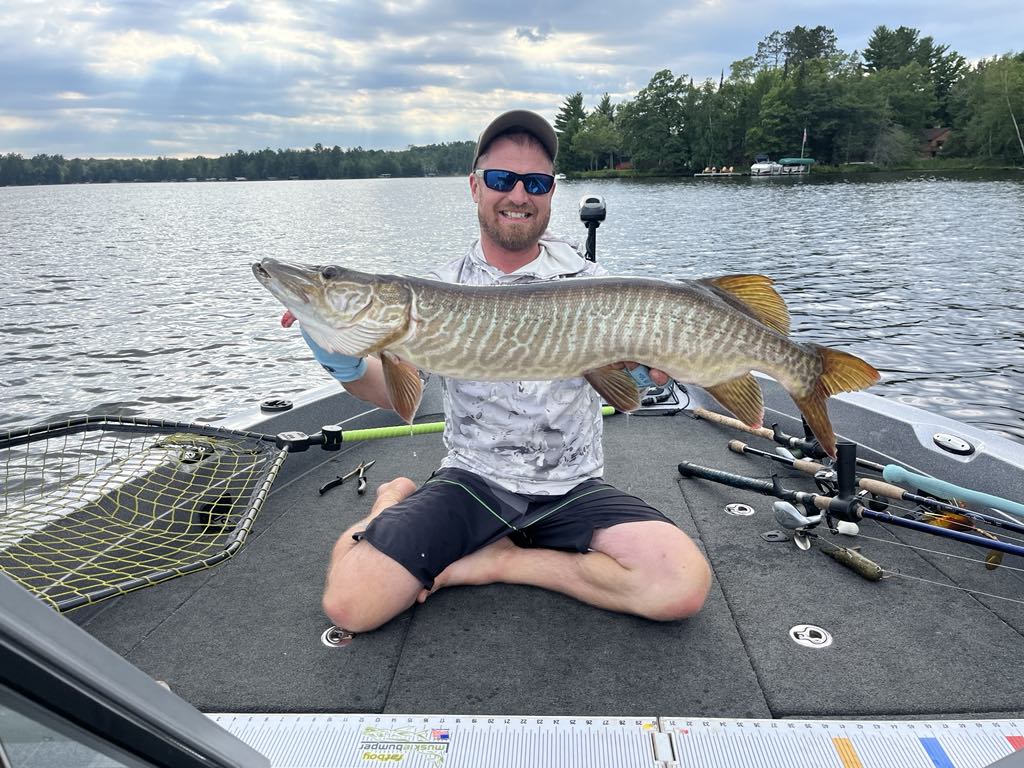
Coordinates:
474 187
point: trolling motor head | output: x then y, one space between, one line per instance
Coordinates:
592 209
592 213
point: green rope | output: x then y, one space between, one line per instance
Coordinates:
406 430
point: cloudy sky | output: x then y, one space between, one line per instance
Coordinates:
142 78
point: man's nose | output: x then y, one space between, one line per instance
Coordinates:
518 192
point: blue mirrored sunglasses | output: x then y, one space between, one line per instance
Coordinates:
505 181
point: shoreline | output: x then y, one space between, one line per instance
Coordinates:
846 169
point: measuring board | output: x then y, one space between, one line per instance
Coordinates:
729 743
453 741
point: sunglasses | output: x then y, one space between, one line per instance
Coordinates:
505 181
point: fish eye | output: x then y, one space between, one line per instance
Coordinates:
330 272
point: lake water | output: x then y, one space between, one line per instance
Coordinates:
139 299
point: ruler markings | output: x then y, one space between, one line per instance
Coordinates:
935 752
447 741
972 753
847 754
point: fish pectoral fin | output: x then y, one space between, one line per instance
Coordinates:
742 396
404 386
616 386
755 295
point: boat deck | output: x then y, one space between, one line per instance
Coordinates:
246 635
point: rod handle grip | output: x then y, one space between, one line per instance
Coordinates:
897 474
810 467
728 421
878 488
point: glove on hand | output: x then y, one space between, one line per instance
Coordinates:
344 368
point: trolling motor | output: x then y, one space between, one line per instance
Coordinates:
592 213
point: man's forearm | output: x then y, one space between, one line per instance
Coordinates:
370 387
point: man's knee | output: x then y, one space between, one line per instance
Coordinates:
346 610
366 589
682 593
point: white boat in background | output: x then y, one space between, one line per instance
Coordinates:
786 166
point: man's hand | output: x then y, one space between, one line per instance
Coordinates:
344 368
659 377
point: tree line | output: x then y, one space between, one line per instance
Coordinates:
317 163
872 106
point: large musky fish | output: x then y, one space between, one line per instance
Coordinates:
711 332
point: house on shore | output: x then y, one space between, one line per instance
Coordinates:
934 139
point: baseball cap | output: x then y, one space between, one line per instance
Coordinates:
525 120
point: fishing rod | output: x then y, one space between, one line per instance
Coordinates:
879 489
897 474
845 507
892 473
807 447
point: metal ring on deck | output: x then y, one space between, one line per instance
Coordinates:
739 510
810 636
336 637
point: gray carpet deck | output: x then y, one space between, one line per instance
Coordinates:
245 636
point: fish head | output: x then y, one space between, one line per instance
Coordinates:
342 310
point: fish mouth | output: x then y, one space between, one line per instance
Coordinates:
288 282
261 273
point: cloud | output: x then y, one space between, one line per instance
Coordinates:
144 77
534 34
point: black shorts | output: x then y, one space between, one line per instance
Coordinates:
456 513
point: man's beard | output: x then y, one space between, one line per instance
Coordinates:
517 237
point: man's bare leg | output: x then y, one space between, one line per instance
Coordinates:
365 588
648 568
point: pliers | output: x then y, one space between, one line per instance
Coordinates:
360 471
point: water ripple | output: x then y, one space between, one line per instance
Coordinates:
139 298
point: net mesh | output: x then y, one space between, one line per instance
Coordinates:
99 506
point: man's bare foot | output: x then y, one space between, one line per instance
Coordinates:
481 567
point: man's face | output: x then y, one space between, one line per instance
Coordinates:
514 220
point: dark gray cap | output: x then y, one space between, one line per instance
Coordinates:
521 119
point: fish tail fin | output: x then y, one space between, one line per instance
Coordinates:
841 372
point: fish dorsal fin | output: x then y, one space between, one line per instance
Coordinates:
753 294
404 386
742 396
616 386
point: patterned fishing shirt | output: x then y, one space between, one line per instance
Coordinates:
535 437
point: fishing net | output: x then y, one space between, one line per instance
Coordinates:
95 507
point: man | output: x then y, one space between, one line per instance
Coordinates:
519 498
